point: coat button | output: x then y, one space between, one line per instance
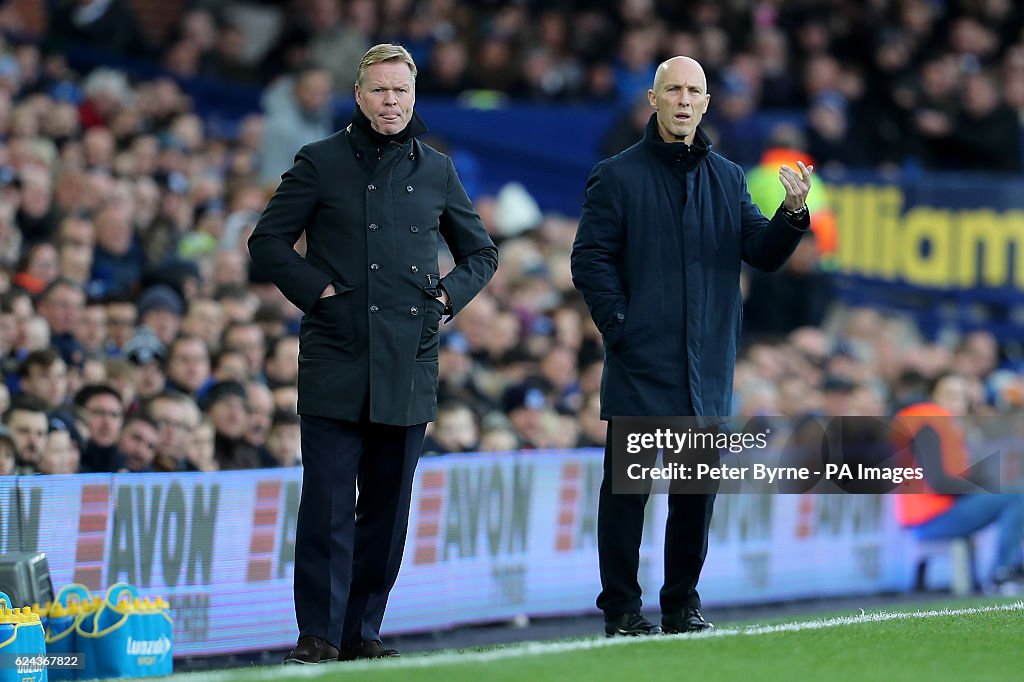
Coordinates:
413 228
414 311
374 266
373 227
412 156
408 188
359 155
414 268
621 317
371 187
374 308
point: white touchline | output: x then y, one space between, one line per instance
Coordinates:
428 660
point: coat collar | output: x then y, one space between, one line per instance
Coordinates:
365 135
677 153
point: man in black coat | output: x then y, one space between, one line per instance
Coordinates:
372 201
663 231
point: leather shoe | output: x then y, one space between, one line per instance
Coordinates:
362 650
631 624
687 620
310 650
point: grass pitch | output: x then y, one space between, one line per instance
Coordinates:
984 641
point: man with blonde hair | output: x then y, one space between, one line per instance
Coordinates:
373 202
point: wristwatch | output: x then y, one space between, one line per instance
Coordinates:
797 215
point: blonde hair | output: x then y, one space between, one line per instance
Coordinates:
385 52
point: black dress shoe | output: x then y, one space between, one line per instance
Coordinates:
687 620
361 650
311 650
631 624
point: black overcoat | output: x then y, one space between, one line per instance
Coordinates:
374 234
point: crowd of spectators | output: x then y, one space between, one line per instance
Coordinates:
134 336
876 82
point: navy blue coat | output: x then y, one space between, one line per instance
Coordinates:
657 257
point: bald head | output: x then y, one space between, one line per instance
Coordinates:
679 98
679 69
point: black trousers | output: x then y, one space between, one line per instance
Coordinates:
348 548
620 525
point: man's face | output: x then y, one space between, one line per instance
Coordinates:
230 416
49 384
680 98
121 320
62 309
138 443
205 319
105 416
29 431
175 422
249 341
60 455
387 95
189 364
92 328
284 443
261 412
313 91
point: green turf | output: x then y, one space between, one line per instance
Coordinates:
981 646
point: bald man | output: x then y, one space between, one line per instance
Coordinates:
664 230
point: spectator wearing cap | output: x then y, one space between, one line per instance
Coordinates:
29 426
8 450
104 415
147 354
61 454
161 309
837 393
138 444
188 365
176 417
44 377
227 405
525 404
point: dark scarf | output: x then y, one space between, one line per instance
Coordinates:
681 157
362 123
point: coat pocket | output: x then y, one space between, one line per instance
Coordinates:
430 330
331 331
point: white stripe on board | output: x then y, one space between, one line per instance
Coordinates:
427 660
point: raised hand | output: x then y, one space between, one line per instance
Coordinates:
797 185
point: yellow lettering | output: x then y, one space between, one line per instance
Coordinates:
926 247
890 207
844 199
